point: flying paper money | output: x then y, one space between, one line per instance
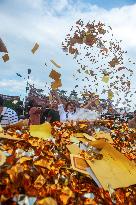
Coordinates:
35 48
54 75
5 57
110 94
54 63
56 84
105 78
79 164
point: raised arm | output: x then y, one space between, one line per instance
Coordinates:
57 96
90 102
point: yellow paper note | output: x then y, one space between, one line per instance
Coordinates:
56 84
74 149
103 135
41 131
88 137
35 48
114 169
79 164
110 94
80 137
47 201
105 78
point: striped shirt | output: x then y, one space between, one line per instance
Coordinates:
8 117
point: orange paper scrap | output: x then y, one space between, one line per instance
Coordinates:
54 75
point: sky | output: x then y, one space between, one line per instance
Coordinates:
23 23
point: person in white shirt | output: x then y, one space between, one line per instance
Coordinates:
72 112
69 113
7 115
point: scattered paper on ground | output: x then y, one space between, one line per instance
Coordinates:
74 149
103 135
79 164
41 131
19 124
113 169
7 136
2 158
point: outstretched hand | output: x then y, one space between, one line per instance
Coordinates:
55 94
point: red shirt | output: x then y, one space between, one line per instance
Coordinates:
34 116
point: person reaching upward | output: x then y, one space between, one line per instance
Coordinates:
71 110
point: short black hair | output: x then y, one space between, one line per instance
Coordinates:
1 101
31 103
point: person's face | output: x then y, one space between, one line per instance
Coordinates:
64 101
134 115
54 104
71 107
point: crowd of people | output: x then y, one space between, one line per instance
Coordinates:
55 109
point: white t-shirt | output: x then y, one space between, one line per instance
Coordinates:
86 114
64 116
80 114
8 117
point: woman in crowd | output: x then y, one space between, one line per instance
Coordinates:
71 111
